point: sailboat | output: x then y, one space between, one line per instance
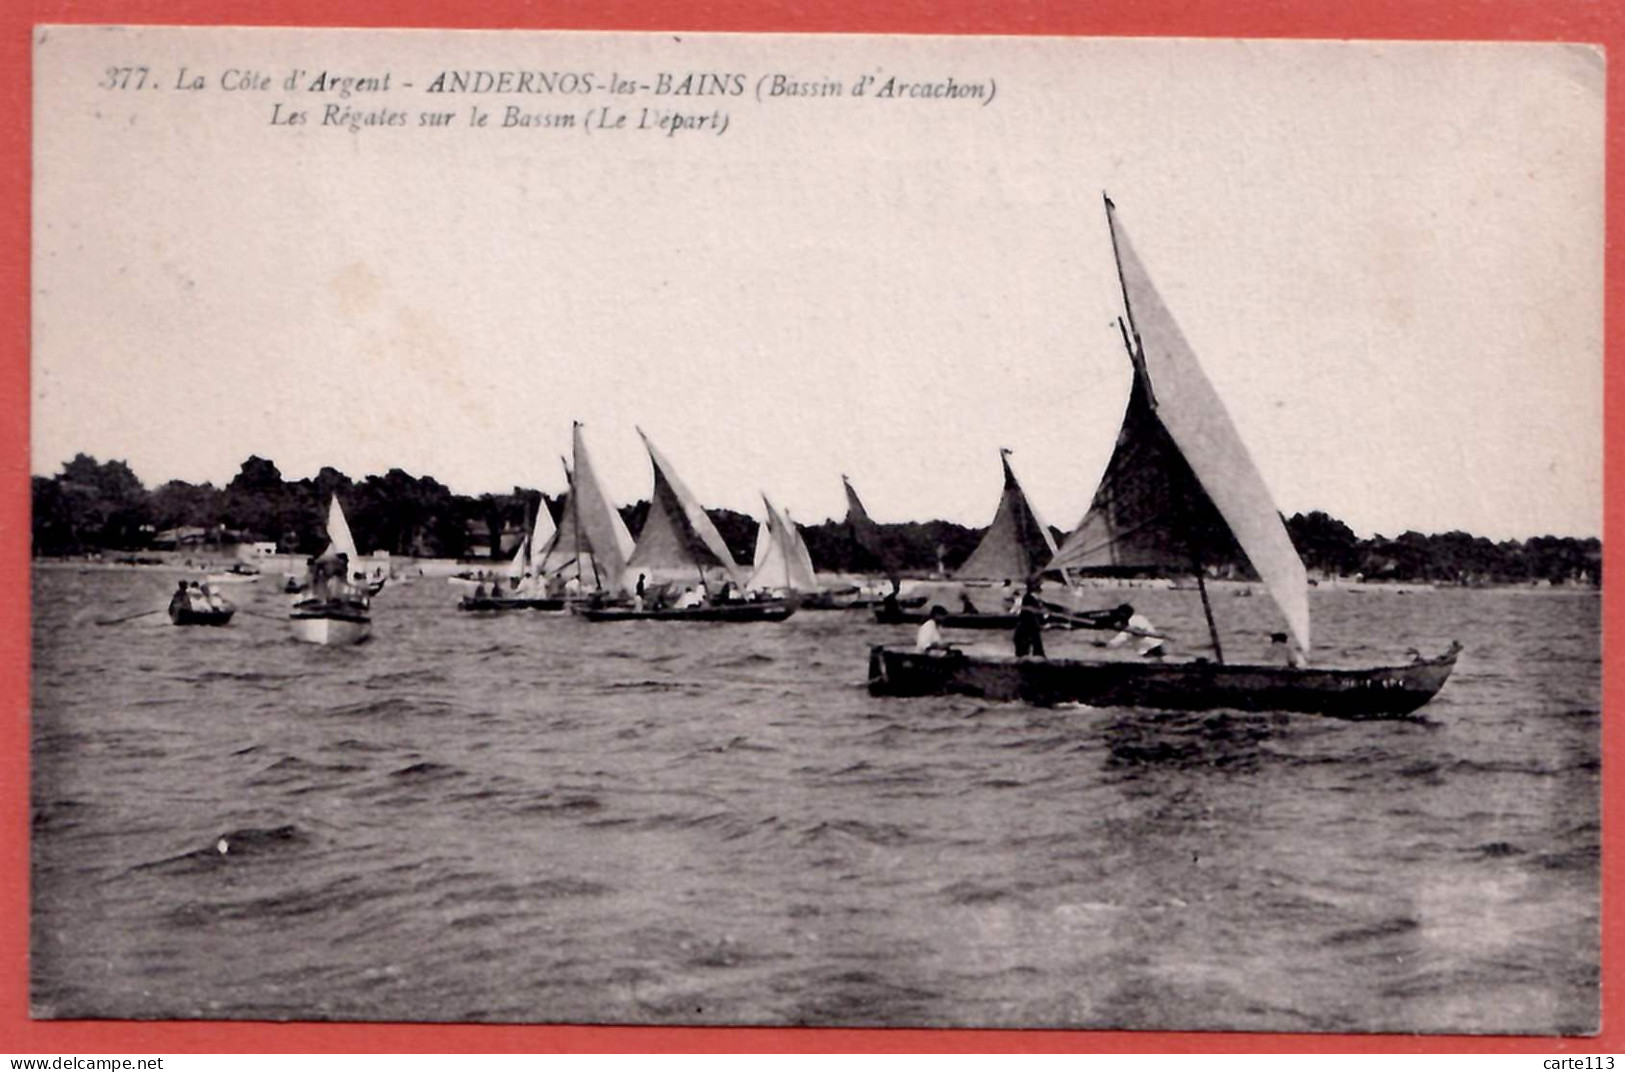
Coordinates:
1016 547
680 546
337 612
781 562
1180 493
586 555
871 559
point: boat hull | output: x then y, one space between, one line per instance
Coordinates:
334 624
774 611
1380 692
488 605
189 616
233 578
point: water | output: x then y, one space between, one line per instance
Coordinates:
533 818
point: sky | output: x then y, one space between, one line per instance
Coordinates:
1388 259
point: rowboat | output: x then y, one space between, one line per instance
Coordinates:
183 612
1180 495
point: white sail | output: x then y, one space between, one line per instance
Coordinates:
1196 420
781 560
772 560
541 534
339 540
590 541
801 565
764 544
602 530
521 556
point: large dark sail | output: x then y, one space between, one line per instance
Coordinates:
1149 513
872 556
1017 544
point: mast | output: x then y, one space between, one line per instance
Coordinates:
1207 609
1136 352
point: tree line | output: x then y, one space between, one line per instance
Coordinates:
102 506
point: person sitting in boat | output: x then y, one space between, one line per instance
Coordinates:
1134 626
929 636
1030 622
965 604
211 599
1294 657
725 593
572 588
180 600
691 597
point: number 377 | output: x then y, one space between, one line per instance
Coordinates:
124 78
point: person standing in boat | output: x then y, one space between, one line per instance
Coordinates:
889 605
1030 621
929 636
637 597
1134 626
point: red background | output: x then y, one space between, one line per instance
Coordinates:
1601 21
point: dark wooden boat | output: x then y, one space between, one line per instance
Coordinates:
848 599
499 604
775 610
1367 693
181 612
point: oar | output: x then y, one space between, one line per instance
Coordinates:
260 614
129 617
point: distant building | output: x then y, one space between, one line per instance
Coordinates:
479 539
